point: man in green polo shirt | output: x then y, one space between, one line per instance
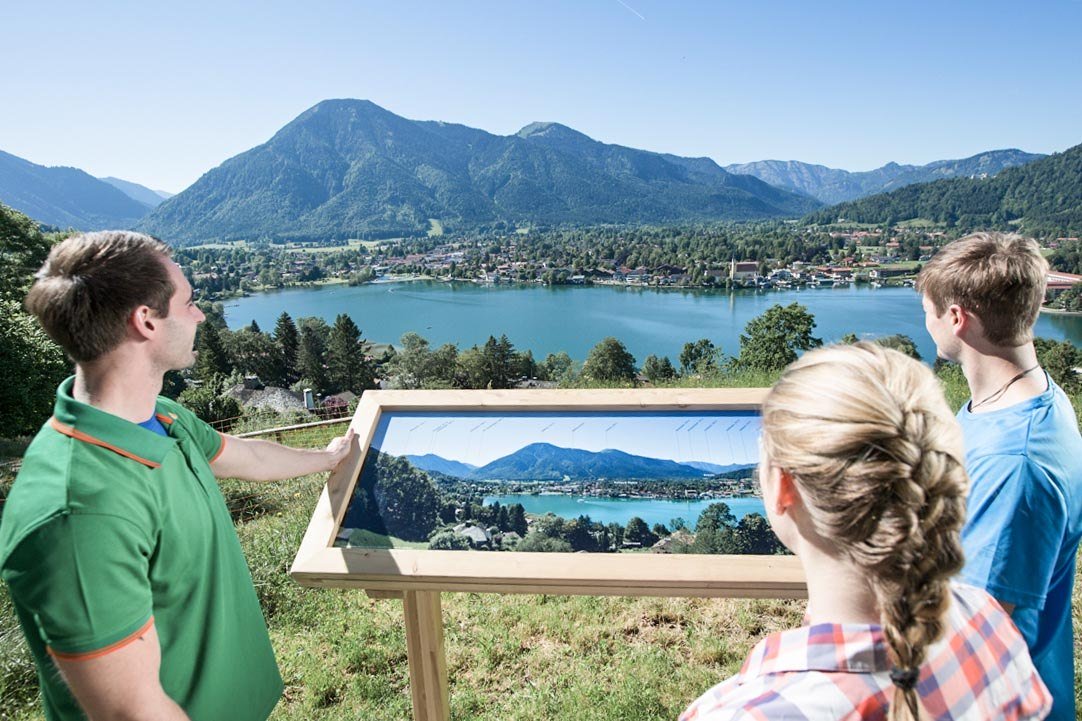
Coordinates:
116 544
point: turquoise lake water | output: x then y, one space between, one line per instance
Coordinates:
574 318
621 510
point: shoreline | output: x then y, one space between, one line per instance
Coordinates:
1060 311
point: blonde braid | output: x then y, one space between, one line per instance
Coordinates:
877 456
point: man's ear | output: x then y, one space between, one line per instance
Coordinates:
144 322
961 320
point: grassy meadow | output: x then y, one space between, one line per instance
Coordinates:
343 655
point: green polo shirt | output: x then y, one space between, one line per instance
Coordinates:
110 527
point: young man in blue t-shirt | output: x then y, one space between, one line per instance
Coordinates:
981 297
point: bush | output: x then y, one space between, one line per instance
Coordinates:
448 541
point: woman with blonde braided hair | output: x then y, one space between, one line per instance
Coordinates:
863 479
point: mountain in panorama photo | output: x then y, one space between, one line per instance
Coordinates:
831 185
1044 196
436 464
546 462
65 197
349 168
140 193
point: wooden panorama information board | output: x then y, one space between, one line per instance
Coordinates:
328 557
323 561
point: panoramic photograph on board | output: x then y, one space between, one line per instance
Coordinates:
583 481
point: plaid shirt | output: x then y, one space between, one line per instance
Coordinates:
980 669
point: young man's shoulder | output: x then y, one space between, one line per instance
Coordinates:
1041 428
62 475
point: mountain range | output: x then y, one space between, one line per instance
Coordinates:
1044 196
831 185
65 197
349 168
546 462
438 464
146 196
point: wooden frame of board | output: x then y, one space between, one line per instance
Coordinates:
418 576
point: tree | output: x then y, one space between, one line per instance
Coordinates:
557 366
288 340
700 357
638 532
772 340
658 369
497 363
448 541
310 359
1070 299
394 498
754 535
23 249
578 534
1060 360
253 353
538 543
207 402
715 516
609 361
32 366
347 367
901 343
212 359
414 365
516 519
715 531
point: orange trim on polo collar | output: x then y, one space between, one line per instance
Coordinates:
86 438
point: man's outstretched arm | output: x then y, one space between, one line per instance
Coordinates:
251 459
122 684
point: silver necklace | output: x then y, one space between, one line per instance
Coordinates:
1003 389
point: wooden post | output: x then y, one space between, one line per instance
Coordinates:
424 647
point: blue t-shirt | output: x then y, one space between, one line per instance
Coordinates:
1023 523
153 424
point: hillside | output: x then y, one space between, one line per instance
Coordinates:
1042 197
831 185
348 168
137 192
65 197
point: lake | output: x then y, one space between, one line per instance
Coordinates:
547 319
621 510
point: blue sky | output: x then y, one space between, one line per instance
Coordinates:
160 93
724 438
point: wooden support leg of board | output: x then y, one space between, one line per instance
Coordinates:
424 645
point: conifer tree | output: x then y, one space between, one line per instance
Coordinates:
285 335
211 360
310 359
347 368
